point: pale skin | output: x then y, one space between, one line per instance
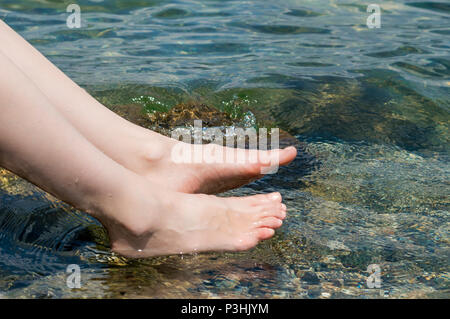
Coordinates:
54 134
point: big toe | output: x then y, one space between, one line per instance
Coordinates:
269 161
274 197
287 155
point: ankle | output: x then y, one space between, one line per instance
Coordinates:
131 211
147 149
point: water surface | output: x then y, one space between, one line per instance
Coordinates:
369 107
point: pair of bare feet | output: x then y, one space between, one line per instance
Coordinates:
73 147
178 217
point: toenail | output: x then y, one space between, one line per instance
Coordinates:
275 196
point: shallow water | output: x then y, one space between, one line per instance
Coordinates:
370 108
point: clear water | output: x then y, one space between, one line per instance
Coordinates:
369 106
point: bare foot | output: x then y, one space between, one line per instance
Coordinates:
156 163
159 225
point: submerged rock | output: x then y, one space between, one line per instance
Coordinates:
183 115
310 278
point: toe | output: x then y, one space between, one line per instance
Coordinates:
265 233
282 213
274 197
279 156
247 243
287 155
274 211
266 198
270 222
260 198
